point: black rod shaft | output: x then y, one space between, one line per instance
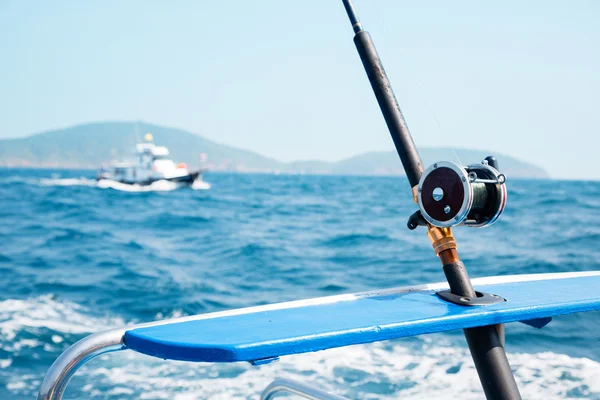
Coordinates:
458 279
492 366
356 25
382 88
485 343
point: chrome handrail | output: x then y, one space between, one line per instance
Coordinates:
282 385
62 370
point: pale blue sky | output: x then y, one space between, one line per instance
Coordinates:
283 78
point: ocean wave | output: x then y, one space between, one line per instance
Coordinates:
246 251
176 220
352 239
45 312
71 236
576 239
333 287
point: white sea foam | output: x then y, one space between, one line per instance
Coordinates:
17 316
200 185
7 180
367 371
5 363
158 186
20 320
431 366
55 181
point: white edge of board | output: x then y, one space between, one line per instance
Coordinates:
491 280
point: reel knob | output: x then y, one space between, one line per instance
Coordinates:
450 195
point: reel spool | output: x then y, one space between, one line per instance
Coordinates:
451 195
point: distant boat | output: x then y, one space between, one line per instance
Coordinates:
152 165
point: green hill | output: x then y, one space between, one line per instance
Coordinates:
89 145
388 163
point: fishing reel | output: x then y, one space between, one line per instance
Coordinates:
450 195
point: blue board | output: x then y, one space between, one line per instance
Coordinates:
263 333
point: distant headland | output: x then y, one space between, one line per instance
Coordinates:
89 145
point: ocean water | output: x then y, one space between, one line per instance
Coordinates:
77 258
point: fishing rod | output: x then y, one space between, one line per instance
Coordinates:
448 195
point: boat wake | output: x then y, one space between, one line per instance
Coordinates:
430 366
158 186
200 185
67 182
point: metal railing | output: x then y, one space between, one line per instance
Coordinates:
298 388
58 376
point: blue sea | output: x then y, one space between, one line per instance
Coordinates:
77 258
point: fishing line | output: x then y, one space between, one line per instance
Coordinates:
441 131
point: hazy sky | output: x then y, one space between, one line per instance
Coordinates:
283 77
